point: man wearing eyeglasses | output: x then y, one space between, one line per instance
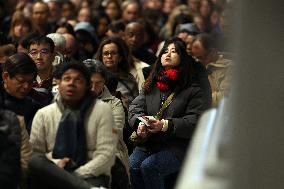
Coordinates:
19 73
41 50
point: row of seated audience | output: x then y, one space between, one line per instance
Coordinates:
169 79
76 93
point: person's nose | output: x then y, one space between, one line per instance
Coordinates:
38 55
133 38
168 54
26 86
109 55
93 87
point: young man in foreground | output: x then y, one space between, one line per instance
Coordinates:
73 139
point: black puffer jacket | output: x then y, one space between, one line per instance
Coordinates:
10 144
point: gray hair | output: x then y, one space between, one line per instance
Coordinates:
59 41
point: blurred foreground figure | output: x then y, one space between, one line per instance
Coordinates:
10 144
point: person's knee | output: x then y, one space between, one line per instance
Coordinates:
148 166
134 162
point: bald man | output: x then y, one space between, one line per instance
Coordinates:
134 38
55 8
40 14
71 47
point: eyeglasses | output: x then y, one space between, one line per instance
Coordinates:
22 82
111 53
42 52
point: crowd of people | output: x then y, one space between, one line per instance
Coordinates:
106 93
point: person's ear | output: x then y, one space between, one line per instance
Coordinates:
5 76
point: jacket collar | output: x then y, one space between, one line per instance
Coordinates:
106 95
58 101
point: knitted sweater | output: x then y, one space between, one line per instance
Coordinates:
100 137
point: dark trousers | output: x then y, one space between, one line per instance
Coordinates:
149 170
45 174
119 177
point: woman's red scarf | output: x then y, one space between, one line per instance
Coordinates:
166 79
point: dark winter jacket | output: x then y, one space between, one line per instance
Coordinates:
182 113
10 144
26 107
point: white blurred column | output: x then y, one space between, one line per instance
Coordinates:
257 110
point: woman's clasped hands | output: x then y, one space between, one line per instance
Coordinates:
155 126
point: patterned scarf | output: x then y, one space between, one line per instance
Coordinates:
166 79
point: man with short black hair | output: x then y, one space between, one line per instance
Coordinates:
41 50
73 139
19 73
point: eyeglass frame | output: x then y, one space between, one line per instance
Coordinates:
22 83
42 52
111 53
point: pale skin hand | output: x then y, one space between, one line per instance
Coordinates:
155 126
62 163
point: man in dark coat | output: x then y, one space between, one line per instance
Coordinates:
10 144
19 73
